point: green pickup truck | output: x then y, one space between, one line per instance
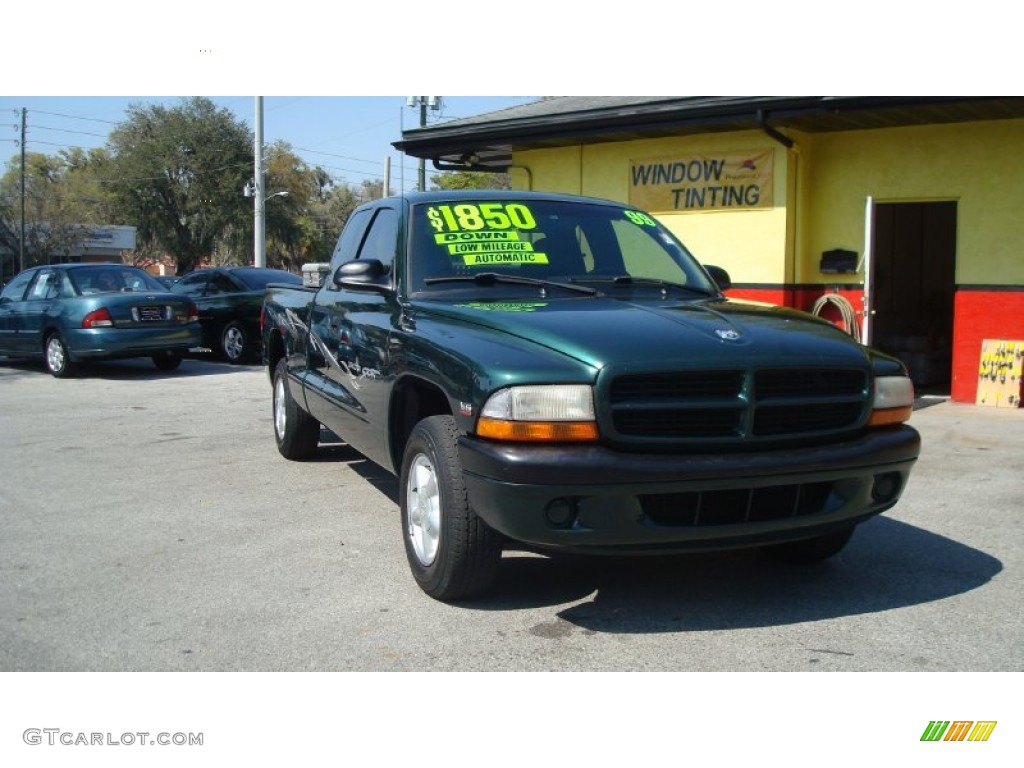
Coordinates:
559 374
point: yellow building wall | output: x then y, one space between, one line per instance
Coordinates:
979 165
754 246
820 188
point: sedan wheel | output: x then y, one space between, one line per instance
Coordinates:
168 361
58 361
233 342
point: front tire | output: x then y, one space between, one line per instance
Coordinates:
296 432
58 359
234 343
452 553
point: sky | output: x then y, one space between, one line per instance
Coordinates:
349 136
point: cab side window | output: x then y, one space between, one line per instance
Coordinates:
350 240
382 238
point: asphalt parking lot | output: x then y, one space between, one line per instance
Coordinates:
149 524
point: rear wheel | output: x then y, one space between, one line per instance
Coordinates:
452 553
58 359
234 343
812 550
168 361
296 432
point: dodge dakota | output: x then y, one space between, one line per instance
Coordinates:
560 374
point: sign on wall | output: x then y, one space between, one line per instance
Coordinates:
999 373
702 182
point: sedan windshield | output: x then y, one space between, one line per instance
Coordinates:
547 240
108 278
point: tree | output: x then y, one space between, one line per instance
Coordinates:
327 215
178 177
471 180
64 197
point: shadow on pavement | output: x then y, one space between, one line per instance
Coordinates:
888 564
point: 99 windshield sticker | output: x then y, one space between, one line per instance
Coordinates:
485 233
640 219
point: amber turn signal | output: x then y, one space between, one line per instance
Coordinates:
537 431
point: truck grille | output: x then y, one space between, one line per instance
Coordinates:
736 505
729 406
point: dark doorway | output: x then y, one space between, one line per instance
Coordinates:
914 253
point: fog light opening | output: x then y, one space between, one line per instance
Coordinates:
886 486
561 513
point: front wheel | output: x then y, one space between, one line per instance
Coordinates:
296 432
58 359
452 553
234 343
813 550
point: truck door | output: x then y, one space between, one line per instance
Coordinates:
350 376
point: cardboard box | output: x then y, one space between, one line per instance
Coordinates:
999 373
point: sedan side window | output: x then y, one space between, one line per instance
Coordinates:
45 287
15 290
220 284
192 286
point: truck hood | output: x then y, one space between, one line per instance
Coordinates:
605 331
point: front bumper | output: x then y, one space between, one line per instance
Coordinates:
591 498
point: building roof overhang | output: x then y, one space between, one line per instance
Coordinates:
486 142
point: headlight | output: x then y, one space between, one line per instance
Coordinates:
894 400
544 413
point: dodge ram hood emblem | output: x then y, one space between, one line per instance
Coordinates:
727 334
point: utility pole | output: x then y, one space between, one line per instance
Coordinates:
422 178
260 236
423 102
21 240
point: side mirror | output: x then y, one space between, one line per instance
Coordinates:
720 276
362 274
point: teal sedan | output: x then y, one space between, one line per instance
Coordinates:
67 314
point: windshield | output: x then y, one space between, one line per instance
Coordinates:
552 240
109 278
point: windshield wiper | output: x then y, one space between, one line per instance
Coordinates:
492 278
630 280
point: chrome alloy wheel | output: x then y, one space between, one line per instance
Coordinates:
234 343
424 503
280 415
55 354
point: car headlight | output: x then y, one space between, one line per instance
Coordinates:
894 400
540 413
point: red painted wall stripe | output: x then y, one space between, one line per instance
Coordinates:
979 314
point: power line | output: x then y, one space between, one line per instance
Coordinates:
374 174
68 130
74 117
